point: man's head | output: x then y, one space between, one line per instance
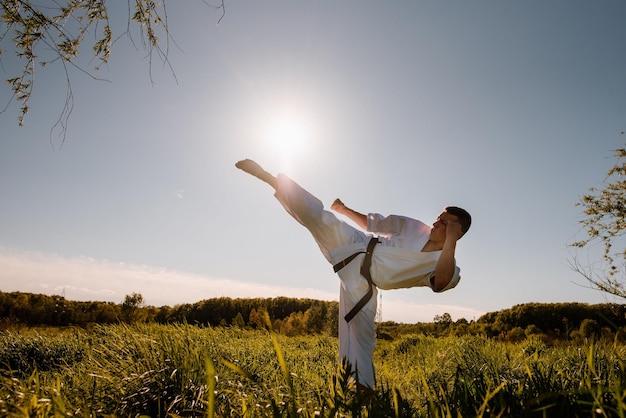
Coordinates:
465 219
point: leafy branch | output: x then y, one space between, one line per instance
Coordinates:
605 221
40 35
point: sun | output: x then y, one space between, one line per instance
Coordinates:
288 133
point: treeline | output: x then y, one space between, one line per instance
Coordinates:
549 322
556 320
290 316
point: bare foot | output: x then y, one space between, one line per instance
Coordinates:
250 167
253 168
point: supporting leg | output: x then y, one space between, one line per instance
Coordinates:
357 339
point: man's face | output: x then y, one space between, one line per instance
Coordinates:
438 233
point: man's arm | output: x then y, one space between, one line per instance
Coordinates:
356 217
444 270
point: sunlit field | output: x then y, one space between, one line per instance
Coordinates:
183 370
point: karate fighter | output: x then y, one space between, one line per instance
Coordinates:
396 252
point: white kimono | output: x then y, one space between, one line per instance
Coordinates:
397 262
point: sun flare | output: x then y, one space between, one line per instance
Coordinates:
287 133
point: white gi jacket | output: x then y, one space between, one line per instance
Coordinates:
398 262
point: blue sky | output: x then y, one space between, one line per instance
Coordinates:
509 109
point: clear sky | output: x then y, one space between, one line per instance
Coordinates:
508 109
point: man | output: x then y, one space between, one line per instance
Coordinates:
404 253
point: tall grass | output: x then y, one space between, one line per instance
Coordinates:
472 376
182 370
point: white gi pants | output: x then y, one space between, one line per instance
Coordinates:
357 339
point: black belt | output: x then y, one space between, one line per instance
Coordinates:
365 272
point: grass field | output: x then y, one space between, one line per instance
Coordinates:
183 370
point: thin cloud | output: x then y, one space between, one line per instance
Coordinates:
85 278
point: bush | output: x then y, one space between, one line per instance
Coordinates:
515 335
22 355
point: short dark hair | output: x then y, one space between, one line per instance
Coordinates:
465 219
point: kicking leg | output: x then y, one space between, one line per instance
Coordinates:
328 231
253 168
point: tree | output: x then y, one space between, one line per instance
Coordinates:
605 221
257 318
589 328
55 33
443 320
238 321
294 324
130 307
314 319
